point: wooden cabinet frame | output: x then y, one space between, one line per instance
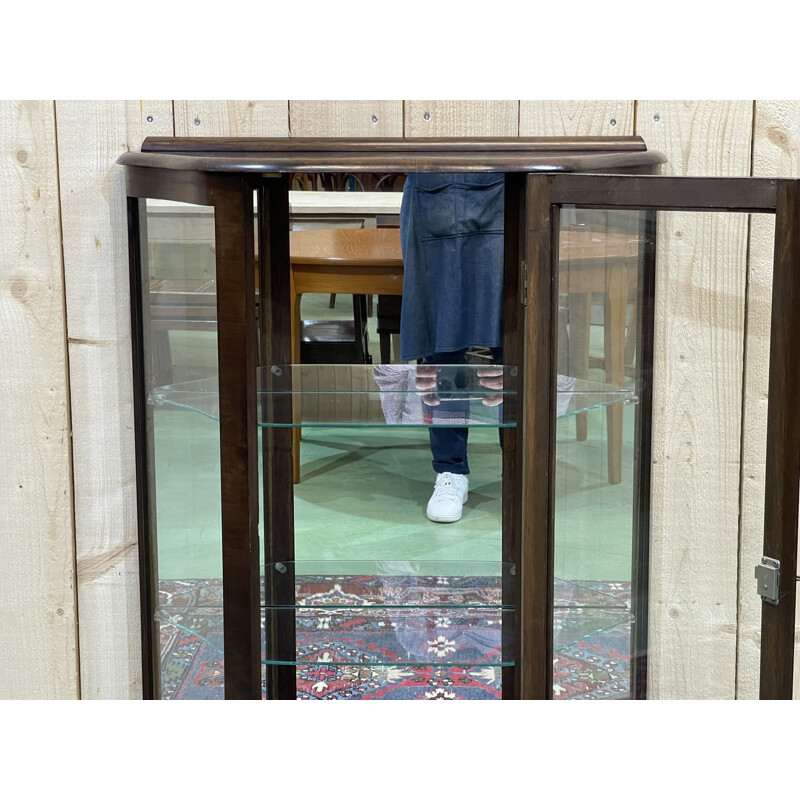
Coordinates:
542 175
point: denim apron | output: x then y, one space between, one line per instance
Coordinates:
451 228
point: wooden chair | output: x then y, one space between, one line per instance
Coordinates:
605 264
337 341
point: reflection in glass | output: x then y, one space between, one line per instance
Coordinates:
601 257
322 395
180 343
393 629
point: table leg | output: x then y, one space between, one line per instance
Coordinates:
614 346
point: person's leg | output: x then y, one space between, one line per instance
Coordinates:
449 445
449 450
497 358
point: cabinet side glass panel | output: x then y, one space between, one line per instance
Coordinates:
180 346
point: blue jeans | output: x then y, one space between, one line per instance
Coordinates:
449 445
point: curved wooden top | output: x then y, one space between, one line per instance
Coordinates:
302 154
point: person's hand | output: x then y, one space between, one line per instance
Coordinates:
426 384
491 378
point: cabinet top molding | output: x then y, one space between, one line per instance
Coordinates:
301 154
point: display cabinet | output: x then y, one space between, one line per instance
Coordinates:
338 587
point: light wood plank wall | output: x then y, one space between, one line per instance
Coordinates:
697 398
346 118
231 117
52 570
91 136
38 611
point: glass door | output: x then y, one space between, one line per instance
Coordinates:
641 562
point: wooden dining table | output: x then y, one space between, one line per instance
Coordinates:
340 261
369 261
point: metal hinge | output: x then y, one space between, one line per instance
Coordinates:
523 283
768 575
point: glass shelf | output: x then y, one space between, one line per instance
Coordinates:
365 395
394 613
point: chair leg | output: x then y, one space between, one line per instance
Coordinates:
396 345
386 348
580 307
332 301
162 357
360 319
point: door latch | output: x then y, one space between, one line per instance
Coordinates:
768 575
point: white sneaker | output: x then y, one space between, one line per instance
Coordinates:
449 495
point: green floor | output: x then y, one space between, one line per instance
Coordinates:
363 493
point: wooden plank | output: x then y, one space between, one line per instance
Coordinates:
91 135
346 117
776 152
38 614
462 118
697 397
231 117
576 117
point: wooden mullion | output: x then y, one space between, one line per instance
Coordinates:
640 567
536 549
512 476
276 443
237 345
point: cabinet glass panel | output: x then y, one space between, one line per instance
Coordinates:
683 564
180 346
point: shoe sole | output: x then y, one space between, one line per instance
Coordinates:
443 519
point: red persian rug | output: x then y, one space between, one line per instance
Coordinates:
438 639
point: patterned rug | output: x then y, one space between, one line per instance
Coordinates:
352 648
